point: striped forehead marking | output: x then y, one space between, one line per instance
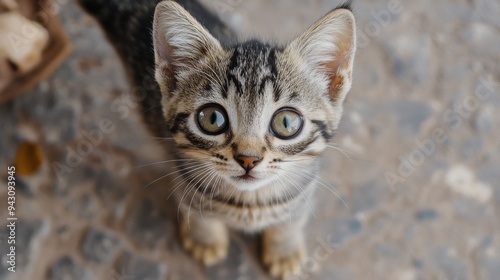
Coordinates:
251 67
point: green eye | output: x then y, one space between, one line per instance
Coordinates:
212 119
286 123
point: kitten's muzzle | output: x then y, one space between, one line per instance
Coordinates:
248 162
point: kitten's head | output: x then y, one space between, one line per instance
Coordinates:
252 114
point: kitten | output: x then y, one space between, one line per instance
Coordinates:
249 120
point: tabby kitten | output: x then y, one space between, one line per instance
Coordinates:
249 120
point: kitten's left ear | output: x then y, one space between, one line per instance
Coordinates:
180 44
328 48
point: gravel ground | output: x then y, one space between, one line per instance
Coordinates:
418 181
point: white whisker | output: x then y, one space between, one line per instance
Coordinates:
163 161
189 188
209 177
301 192
340 150
328 186
206 173
179 184
173 172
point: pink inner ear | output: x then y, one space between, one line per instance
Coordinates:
337 79
163 52
165 61
162 48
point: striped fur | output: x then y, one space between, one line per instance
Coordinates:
251 81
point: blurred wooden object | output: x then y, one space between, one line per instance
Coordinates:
6 72
23 41
57 49
8 5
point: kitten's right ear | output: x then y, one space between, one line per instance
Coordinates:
180 43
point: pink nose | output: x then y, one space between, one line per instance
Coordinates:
248 162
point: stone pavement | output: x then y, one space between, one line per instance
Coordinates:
419 173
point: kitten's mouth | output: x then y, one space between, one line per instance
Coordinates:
247 182
246 177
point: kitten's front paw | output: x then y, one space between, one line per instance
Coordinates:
208 250
282 265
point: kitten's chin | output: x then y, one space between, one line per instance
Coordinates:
248 183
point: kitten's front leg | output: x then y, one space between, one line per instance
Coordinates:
206 239
284 248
